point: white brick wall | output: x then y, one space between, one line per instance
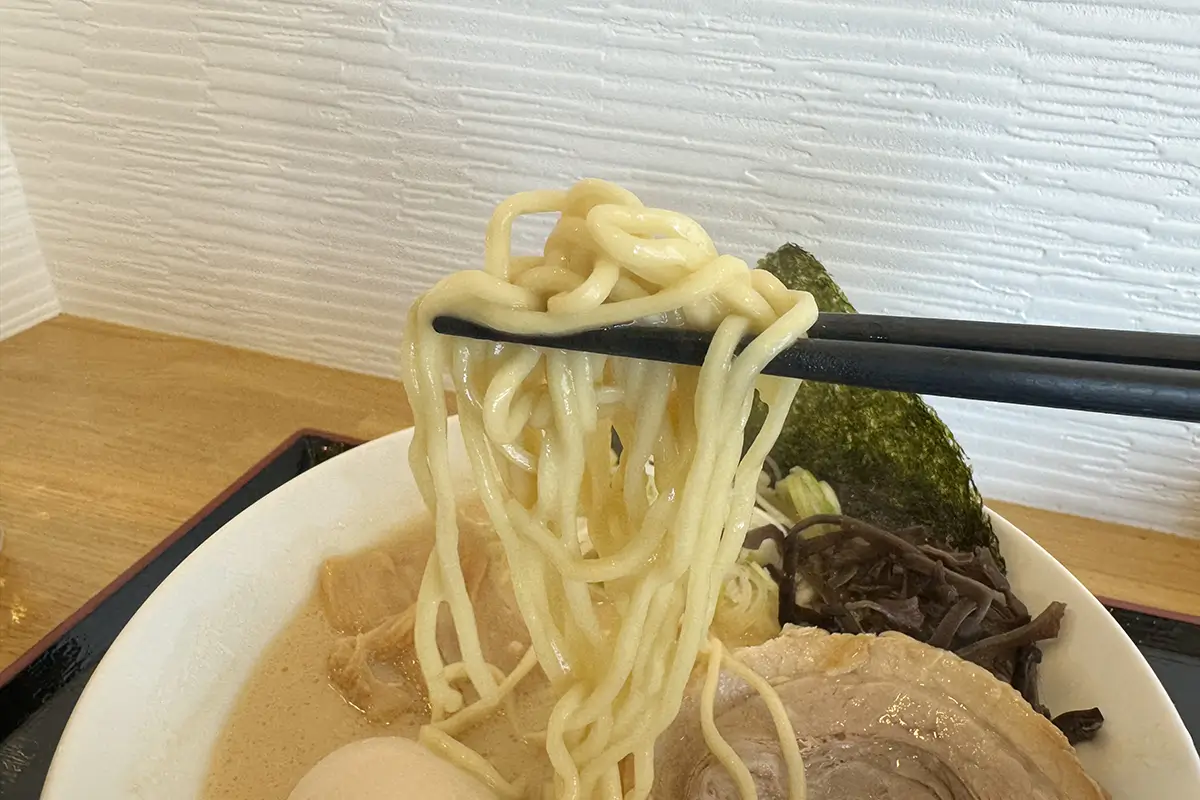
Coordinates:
287 175
26 293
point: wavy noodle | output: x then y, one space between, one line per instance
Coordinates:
617 617
720 748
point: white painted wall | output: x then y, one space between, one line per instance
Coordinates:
286 175
26 292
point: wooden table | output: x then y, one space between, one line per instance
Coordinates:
111 437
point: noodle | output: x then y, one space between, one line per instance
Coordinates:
618 608
720 748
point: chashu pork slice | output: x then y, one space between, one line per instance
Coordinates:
878 718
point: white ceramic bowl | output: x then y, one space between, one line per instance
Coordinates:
149 717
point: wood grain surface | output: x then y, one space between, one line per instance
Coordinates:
111 437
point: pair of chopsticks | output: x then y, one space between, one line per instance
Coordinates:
1114 372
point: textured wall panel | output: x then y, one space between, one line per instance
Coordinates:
286 175
26 293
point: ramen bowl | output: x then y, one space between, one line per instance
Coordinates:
148 720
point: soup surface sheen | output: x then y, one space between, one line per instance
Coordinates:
289 715
287 718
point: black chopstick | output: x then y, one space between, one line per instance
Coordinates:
1086 344
1101 385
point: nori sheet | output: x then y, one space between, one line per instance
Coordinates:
888 456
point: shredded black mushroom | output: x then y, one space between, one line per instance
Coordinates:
1025 675
772 467
1080 726
1044 626
865 579
756 537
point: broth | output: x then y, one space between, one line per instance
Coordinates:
288 715
287 718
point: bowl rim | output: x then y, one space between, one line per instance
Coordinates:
72 744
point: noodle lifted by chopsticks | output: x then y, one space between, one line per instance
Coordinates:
617 617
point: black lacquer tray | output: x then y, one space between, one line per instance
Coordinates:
38 692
